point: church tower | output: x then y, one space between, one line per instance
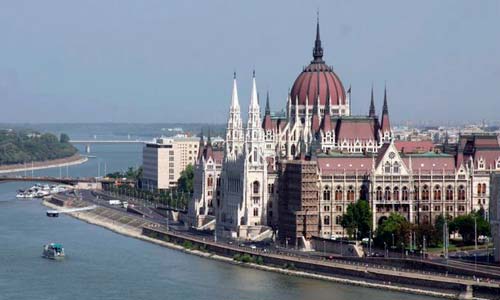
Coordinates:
234 130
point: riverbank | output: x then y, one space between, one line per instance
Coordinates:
99 218
54 163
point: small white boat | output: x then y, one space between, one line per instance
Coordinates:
53 251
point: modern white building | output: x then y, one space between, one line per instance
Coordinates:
164 159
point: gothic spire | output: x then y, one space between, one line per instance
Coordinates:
385 109
235 104
268 109
318 50
254 102
372 105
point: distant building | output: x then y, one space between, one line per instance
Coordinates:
164 159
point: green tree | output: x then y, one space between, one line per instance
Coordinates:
395 226
64 138
464 225
358 219
185 182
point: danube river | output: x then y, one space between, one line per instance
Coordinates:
101 264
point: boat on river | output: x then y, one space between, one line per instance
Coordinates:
53 251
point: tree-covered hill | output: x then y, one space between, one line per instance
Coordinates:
26 146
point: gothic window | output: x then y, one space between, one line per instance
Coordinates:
326 220
481 164
293 150
484 189
425 208
449 193
395 167
461 192
270 188
338 193
350 193
498 163
338 220
379 193
387 193
426 219
256 212
437 192
387 168
218 181
404 193
396 193
254 154
210 181
479 189
326 193
256 187
425 192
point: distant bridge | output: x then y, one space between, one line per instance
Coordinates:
63 180
108 141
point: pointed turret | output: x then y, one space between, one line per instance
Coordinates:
254 101
235 104
385 126
372 113
234 129
316 118
318 50
267 124
326 125
201 146
208 151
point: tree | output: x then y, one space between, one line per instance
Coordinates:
64 138
464 225
358 219
395 226
185 182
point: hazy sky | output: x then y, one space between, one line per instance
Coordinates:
171 61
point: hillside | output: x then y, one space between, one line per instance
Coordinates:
25 146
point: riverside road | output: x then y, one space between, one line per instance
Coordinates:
151 215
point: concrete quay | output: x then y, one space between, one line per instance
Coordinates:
348 273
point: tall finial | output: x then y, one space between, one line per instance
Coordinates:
318 50
372 105
385 109
234 75
253 73
268 109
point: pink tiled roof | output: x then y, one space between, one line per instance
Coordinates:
436 163
352 129
414 146
490 157
349 164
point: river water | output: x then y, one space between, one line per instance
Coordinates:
101 264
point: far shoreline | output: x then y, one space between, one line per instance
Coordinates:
75 159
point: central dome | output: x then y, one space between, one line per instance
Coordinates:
318 79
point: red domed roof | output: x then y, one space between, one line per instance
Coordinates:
318 78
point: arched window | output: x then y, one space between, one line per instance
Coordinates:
437 192
378 195
404 194
395 168
256 212
326 220
461 192
292 151
449 193
256 187
338 193
395 193
479 189
426 219
387 194
338 220
350 193
326 193
387 167
425 192
484 188
210 181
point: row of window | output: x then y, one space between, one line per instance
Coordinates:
395 193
